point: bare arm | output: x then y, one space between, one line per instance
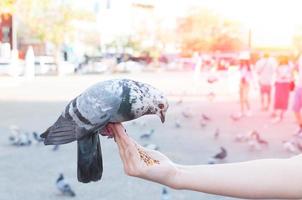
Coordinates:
267 178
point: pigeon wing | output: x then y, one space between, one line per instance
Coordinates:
90 111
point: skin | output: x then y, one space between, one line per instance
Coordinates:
244 103
258 179
265 104
298 117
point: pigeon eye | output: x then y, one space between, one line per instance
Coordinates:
161 106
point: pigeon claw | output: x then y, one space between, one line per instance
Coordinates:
107 132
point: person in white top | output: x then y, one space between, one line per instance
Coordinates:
297 105
265 68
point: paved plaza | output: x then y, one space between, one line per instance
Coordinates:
29 173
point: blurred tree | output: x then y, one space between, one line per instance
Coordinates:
48 21
7 6
205 31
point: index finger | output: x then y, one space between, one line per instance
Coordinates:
120 134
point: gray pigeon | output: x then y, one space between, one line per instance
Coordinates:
111 101
64 187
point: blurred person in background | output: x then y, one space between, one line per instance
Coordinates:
244 86
284 79
298 97
265 68
256 179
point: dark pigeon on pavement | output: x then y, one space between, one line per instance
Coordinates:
147 135
36 137
256 135
222 154
64 187
205 117
165 194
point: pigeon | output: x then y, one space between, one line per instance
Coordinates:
254 145
241 138
14 135
36 137
177 123
64 187
151 146
289 146
217 133
24 140
165 195
205 117
86 116
147 135
187 114
221 155
255 135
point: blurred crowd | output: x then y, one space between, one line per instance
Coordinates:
277 78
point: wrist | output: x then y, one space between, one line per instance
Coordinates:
177 179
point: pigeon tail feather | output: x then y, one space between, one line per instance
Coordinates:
90 163
63 131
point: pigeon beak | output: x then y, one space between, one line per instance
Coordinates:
162 117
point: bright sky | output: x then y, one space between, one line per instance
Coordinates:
272 21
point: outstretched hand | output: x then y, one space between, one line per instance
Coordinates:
162 171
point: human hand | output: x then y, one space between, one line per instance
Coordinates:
162 171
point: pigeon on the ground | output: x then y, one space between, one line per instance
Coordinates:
290 146
110 101
187 114
24 140
205 117
14 135
255 135
147 135
222 154
217 133
165 194
152 146
177 123
64 187
241 138
219 156
36 137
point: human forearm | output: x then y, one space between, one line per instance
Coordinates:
267 178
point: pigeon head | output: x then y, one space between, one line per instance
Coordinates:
149 100
160 107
